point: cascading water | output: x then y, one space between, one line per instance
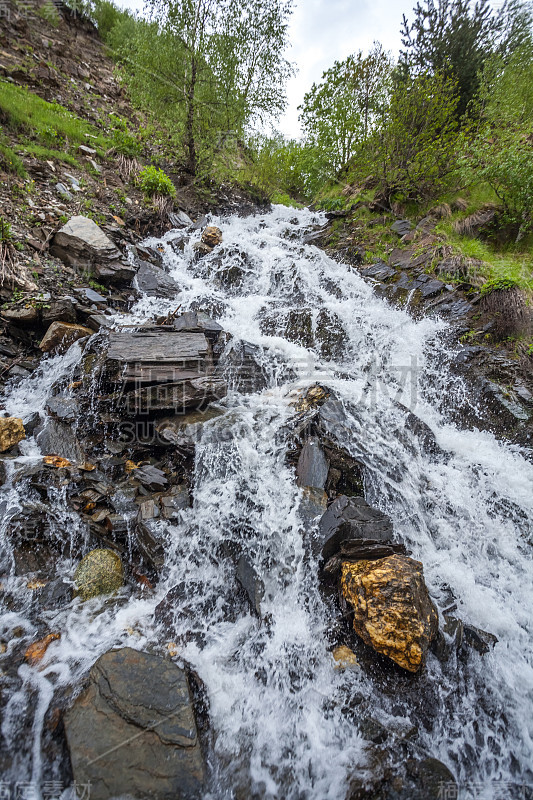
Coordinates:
277 705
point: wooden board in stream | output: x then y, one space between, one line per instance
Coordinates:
157 355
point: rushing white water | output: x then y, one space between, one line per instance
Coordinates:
276 702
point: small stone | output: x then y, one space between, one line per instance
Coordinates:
60 335
212 236
99 572
11 432
344 658
36 651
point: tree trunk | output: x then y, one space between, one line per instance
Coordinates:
189 125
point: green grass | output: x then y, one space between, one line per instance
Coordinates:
50 123
47 154
515 263
10 161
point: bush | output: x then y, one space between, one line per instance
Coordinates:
153 181
126 143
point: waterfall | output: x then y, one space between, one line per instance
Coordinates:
277 705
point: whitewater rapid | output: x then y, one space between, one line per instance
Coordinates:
276 701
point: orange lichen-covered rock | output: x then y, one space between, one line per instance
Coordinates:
393 612
36 651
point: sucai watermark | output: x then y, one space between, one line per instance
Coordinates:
47 790
495 790
16 9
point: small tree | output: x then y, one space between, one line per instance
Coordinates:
338 114
413 153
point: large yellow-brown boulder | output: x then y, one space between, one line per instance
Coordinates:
11 432
60 335
393 612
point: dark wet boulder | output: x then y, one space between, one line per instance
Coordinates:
141 708
350 520
479 640
242 366
414 779
149 536
251 582
313 466
155 282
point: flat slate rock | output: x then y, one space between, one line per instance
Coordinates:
133 731
156 355
155 282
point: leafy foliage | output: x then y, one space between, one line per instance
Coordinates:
339 113
209 68
154 181
502 153
412 154
498 285
456 37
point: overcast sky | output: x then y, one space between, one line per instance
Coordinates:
322 31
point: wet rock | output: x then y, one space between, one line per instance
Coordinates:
81 244
424 779
155 282
61 310
88 294
312 506
179 219
185 430
241 366
351 519
60 335
200 249
393 612
55 594
178 499
330 335
11 432
149 538
151 477
99 572
62 408
185 395
212 236
313 467
479 640
59 438
147 743
156 355
250 582
344 658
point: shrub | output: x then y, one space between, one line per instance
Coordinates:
153 181
126 143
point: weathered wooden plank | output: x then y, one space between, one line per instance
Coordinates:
156 346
